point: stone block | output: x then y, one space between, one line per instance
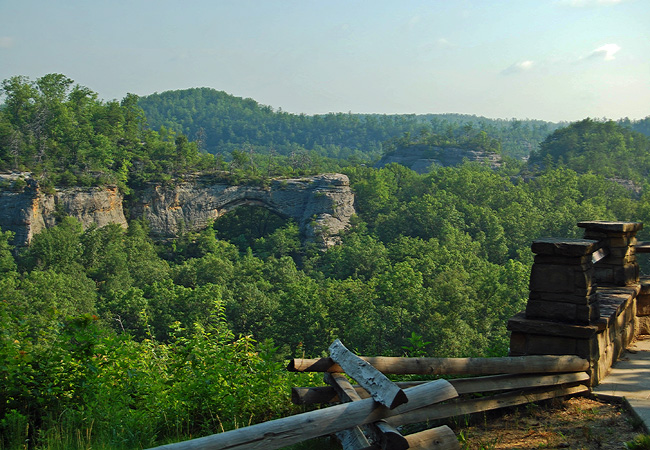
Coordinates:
603 365
562 260
520 324
564 247
550 345
563 312
518 343
602 342
595 235
608 227
619 254
620 323
626 275
603 275
619 275
588 349
643 305
630 334
620 241
574 298
629 312
618 347
550 278
559 278
643 325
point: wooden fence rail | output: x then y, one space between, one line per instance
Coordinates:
521 380
326 394
301 427
452 366
367 415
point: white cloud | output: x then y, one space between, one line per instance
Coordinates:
519 67
443 42
6 42
606 52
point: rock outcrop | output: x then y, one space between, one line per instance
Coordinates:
28 210
321 205
420 159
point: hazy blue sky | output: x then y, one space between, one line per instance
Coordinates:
542 59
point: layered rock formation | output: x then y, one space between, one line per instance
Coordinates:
321 205
29 210
420 159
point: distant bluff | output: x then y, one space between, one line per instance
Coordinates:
321 205
421 158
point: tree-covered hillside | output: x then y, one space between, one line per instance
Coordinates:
600 147
220 122
66 136
640 126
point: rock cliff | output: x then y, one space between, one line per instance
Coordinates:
28 210
321 205
420 159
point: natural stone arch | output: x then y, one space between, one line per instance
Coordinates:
252 202
321 205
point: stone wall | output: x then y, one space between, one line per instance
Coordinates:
583 297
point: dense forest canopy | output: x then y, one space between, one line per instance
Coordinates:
220 122
640 126
66 136
112 338
602 147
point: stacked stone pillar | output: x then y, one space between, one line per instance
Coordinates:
561 281
619 267
583 297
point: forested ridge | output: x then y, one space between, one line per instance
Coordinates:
221 122
113 340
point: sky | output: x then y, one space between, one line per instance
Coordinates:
555 60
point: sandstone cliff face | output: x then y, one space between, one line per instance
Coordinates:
29 211
421 159
321 205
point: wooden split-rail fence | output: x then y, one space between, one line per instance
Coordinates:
367 416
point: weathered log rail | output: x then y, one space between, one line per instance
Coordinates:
452 366
366 416
291 430
511 381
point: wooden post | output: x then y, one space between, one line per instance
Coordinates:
378 386
387 436
301 427
352 438
453 366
